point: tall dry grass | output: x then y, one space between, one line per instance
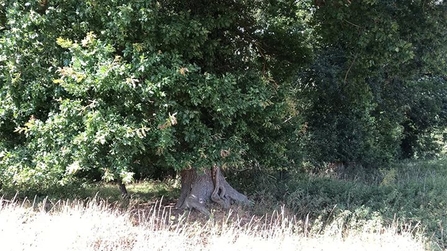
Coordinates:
97 225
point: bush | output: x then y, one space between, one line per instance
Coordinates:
120 88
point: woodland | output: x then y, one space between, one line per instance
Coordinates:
235 98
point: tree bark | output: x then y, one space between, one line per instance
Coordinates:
200 187
123 189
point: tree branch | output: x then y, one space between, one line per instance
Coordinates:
349 69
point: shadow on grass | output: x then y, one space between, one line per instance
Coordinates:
142 192
139 192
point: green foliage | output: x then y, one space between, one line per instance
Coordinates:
119 88
147 87
412 191
375 91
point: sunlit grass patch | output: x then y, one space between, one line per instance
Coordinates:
143 190
154 189
64 226
96 225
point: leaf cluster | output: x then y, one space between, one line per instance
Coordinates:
122 88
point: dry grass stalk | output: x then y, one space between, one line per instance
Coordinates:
96 225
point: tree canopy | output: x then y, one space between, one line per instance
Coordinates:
117 90
376 89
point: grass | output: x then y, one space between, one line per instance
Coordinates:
413 192
140 192
397 208
96 225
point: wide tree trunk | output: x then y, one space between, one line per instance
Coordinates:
200 187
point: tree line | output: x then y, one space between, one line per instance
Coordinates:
111 90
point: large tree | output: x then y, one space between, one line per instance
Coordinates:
110 88
377 88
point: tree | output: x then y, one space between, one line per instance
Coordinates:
118 87
377 86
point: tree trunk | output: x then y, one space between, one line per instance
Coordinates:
200 187
123 189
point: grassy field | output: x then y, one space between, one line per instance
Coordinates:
95 225
398 208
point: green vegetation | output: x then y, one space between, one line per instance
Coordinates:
376 91
412 193
135 90
333 111
405 201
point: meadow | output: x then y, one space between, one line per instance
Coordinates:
399 208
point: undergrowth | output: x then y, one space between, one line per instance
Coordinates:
413 192
408 198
